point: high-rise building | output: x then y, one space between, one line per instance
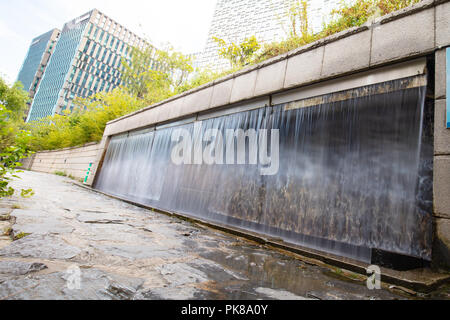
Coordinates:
86 60
268 20
36 61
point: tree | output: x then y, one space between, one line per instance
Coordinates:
298 20
175 64
14 99
13 140
153 75
240 54
139 71
199 78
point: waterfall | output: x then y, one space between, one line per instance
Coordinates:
349 178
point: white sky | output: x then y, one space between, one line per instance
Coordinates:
183 23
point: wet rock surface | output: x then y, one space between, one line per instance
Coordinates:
32 222
95 285
17 268
5 228
77 244
40 246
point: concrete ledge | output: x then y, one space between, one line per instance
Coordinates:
148 117
271 78
222 94
422 280
443 25
172 110
440 74
442 186
400 38
441 133
196 102
349 54
304 68
244 87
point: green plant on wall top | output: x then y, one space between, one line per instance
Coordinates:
239 55
347 15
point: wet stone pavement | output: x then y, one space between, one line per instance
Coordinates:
72 243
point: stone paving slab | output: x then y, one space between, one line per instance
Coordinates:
18 268
97 285
117 251
40 247
32 222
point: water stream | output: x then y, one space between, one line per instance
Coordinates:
350 177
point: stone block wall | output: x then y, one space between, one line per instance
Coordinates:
71 161
441 162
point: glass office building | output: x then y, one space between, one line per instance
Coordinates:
87 59
36 61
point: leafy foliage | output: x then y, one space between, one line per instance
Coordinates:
240 54
345 16
152 75
84 125
14 140
137 73
298 20
202 77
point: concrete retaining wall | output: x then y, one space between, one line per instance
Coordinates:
71 161
441 249
419 31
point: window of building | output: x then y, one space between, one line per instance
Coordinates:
96 33
91 26
106 40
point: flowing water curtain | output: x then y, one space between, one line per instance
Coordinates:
350 166
353 175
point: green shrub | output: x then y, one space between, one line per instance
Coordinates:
347 15
14 142
60 173
83 125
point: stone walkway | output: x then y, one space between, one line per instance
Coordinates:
73 243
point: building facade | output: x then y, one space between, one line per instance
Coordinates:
87 59
268 20
36 61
